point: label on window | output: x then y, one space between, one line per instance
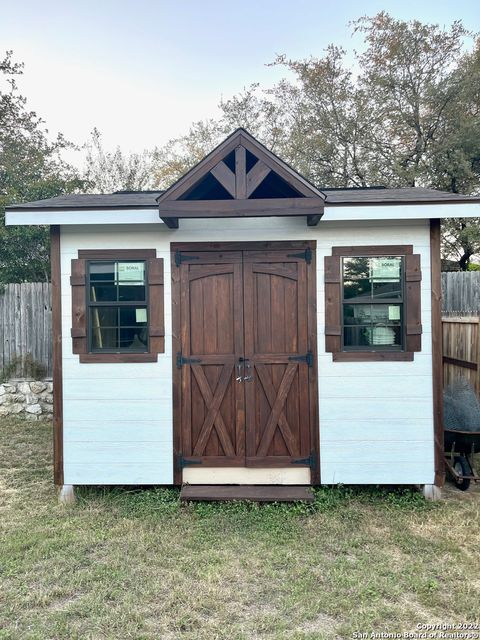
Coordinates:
140 315
393 312
385 269
131 271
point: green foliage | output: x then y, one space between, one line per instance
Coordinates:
31 168
157 502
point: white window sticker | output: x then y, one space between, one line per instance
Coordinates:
384 269
393 312
140 315
131 271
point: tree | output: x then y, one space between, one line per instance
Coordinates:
175 158
406 115
106 172
31 168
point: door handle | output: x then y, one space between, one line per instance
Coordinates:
239 377
248 371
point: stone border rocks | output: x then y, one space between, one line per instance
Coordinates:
31 399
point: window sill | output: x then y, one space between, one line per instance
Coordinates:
372 356
118 357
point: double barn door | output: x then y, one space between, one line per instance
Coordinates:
245 365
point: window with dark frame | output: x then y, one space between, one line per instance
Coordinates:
117 302
373 316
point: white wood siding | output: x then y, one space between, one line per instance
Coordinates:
376 419
340 213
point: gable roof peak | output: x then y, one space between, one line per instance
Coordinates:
266 160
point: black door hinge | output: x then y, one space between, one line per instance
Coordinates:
181 360
308 358
311 461
183 462
306 255
181 257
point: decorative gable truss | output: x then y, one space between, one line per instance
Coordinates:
240 178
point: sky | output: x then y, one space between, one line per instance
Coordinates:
142 71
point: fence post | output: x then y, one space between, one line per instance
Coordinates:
477 351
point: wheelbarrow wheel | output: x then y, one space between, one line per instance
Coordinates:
462 468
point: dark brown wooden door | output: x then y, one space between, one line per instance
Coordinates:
246 368
276 340
212 401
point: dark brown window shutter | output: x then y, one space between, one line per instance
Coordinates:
333 327
79 307
156 305
413 319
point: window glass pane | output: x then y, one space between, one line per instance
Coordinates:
133 316
357 336
369 322
103 271
386 289
356 268
386 336
131 292
357 314
373 336
118 327
356 289
103 292
368 278
385 269
131 272
104 338
103 316
133 338
389 314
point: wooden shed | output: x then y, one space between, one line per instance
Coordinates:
247 328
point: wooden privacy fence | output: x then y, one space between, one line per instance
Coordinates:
461 292
461 349
26 327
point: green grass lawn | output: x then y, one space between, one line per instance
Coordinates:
136 564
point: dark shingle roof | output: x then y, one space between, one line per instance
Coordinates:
405 195
119 200
147 199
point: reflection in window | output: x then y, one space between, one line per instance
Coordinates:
118 313
373 303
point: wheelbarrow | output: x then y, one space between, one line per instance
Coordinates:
460 447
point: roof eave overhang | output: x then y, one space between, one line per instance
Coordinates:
400 202
172 211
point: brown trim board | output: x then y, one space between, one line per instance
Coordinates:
116 254
437 351
369 250
57 355
313 373
239 246
176 372
372 356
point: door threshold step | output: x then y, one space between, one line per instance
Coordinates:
253 493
